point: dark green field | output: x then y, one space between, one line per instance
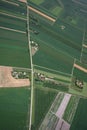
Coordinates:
43 100
14 49
13 45
14 103
59 44
80 119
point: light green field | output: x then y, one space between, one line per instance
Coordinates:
56 11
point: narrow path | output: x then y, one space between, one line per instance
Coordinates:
10 29
13 16
11 2
32 71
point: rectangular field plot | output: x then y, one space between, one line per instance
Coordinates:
42 101
80 118
14 49
53 119
60 36
71 109
84 47
50 122
52 58
84 54
12 22
14 108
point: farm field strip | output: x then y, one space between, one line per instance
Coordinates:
79 3
11 2
83 40
63 105
62 125
71 109
50 115
10 29
42 14
52 120
55 71
13 16
57 102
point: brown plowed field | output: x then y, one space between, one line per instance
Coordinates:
6 79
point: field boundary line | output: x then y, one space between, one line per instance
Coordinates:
13 16
53 70
10 29
83 42
11 2
42 14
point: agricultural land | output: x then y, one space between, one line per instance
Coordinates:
43 64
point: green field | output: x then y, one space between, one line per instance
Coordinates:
52 58
37 1
11 22
14 107
71 109
14 49
80 119
56 11
43 100
60 43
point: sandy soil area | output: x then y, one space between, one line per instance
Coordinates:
80 68
23 1
6 79
84 45
42 14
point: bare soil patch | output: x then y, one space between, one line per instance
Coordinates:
85 45
24 1
80 68
42 14
6 79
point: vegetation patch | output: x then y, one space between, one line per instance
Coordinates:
14 108
80 119
43 100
